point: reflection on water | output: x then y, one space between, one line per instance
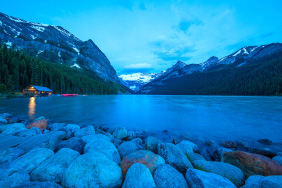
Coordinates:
31 107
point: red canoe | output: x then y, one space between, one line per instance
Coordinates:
69 95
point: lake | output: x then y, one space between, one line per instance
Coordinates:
217 118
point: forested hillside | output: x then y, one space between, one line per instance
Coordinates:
19 70
259 77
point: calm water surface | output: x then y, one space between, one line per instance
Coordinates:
200 117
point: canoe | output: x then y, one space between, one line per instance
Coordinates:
69 95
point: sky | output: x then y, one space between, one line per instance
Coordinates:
152 35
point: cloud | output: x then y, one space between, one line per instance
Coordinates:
138 66
184 25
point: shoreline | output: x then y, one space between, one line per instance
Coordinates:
119 147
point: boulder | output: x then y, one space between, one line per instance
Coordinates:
53 168
40 123
278 159
207 153
167 176
48 140
145 157
55 126
28 132
85 131
14 126
252 164
174 156
3 121
130 135
6 115
70 130
138 142
188 147
195 156
10 154
234 174
117 142
253 181
109 136
73 143
229 144
126 148
265 141
263 182
120 133
36 184
138 176
210 143
89 138
200 179
13 180
151 143
92 170
263 151
105 147
217 154
30 160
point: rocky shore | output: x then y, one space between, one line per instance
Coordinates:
45 154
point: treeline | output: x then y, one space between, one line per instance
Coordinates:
18 70
260 77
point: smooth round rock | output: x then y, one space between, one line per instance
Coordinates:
167 176
93 170
120 133
138 176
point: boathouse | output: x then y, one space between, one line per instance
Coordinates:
37 91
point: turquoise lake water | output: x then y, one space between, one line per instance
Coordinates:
199 117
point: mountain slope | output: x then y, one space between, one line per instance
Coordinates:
55 44
137 80
248 71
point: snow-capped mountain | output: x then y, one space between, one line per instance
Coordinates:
55 44
242 57
136 80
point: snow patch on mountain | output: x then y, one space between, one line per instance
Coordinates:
76 66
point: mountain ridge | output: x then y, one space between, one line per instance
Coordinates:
56 44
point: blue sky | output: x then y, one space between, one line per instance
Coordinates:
150 36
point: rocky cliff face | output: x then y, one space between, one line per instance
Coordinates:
55 44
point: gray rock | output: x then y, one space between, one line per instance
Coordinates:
200 179
279 153
188 147
89 138
105 147
92 170
13 180
263 182
70 129
130 135
6 115
195 156
151 143
264 151
207 153
3 121
10 154
35 184
30 160
14 126
278 159
217 154
28 132
265 141
167 176
53 168
120 133
85 131
109 136
138 176
253 181
174 156
117 142
49 140
138 142
55 126
126 148
234 174
73 143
